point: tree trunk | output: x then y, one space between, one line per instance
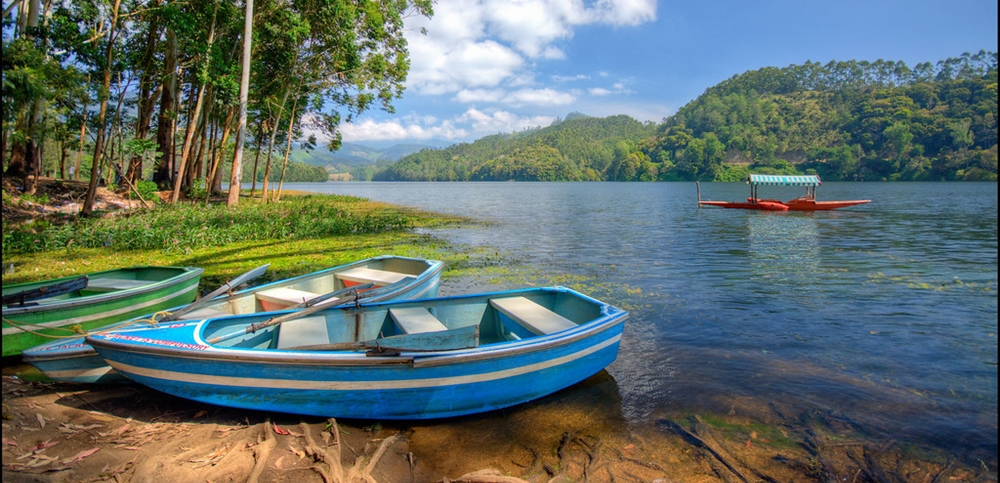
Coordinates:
88 204
146 101
188 141
164 130
288 147
215 174
234 179
256 159
22 149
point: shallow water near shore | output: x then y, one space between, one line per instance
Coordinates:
871 326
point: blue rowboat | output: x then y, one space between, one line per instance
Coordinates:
421 359
33 311
378 279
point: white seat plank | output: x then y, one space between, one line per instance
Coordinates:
537 319
99 284
370 275
415 320
286 296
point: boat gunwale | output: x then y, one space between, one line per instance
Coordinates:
611 317
186 273
434 268
357 358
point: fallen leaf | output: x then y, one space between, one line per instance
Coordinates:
81 455
41 446
200 414
41 419
278 430
9 442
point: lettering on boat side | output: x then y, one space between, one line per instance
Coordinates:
145 340
61 347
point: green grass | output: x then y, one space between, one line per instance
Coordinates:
300 234
189 226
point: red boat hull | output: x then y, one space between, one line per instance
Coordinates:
791 205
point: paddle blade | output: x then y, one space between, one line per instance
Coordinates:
246 277
236 282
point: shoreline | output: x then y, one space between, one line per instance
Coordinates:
576 434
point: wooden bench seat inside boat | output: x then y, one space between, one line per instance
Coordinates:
537 319
362 275
303 332
415 320
109 284
283 297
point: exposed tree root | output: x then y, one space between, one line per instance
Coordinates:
265 443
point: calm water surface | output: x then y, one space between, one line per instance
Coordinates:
884 314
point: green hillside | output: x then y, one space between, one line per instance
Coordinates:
854 120
359 160
580 148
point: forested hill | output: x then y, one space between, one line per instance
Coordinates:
843 120
579 148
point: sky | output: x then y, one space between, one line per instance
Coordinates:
481 67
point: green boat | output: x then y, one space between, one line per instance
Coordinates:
56 307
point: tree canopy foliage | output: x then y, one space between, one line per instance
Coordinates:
153 86
580 148
843 120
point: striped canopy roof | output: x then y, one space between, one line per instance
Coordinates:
775 180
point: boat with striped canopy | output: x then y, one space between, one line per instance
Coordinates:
806 202
376 279
422 359
33 311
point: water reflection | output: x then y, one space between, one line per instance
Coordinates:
877 321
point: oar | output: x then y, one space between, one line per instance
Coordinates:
285 318
45 291
444 340
236 282
330 295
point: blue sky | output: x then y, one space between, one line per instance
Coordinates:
489 66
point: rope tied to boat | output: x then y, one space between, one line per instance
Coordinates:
76 330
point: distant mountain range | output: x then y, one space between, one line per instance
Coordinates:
351 156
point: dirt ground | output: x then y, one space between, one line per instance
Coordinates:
65 197
75 433
55 433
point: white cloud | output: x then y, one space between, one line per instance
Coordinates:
486 43
471 96
538 97
569 78
470 125
626 12
494 121
369 130
598 91
516 98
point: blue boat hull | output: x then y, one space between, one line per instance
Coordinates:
353 385
75 361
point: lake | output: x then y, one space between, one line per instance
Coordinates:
879 319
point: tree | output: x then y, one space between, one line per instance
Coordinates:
88 203
234 180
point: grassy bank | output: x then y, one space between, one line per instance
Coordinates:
298 235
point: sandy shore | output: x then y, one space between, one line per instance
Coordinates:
64 433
